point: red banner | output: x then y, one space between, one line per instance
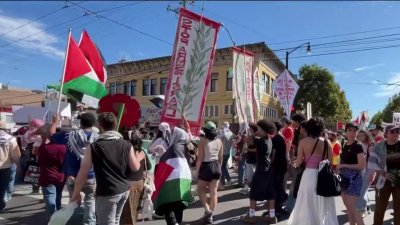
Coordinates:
190 70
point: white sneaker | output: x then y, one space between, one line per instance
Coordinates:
245 190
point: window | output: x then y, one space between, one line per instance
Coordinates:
272 87
133 88
264 79
206 111
216 111
127 87
211 111
228 109
228 82
9 119
163 85
213 84
153 87
267 85
146 88
113 88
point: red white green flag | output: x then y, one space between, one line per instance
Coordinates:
79 77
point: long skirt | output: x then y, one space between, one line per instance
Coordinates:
310 208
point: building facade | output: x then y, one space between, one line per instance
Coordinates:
145 79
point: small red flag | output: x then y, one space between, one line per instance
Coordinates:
357 121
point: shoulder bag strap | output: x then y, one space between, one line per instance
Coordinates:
315 146
325 154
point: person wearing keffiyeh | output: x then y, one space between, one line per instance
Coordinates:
78 141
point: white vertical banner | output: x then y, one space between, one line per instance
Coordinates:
257 94
243 84
396 118
286 89
189 75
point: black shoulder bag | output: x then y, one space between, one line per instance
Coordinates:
301 169
328 184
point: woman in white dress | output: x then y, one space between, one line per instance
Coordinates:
310 208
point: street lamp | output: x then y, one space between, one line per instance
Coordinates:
288 53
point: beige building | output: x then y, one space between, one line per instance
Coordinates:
10 96
144 79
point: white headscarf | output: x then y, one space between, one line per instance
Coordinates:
178 135
166 131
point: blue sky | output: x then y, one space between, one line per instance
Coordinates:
37 60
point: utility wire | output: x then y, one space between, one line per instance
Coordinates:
349 41
121 24
121 6
42 31
34 20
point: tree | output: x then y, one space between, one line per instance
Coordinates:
392 106
377 118
318 86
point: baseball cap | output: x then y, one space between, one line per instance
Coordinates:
210 125
349 125
391 127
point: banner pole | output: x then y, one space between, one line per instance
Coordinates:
121 110
63 73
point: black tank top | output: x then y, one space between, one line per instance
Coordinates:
111 166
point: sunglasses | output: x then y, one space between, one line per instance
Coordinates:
395 131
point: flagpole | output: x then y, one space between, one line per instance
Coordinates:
63 71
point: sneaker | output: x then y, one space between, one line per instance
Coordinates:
240 185
2 206
208 218
227 184
245 191
248 219
270 220
157 217
192 200
369 211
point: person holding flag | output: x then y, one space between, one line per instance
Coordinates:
173 179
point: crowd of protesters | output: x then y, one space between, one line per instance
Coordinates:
110 167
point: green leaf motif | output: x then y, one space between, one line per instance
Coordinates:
197 69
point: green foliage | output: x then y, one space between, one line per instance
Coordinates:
377 118
318 86
196 71
392 106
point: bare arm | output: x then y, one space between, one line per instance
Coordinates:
134 159
82 175
200 155
221 152
300 154
15 153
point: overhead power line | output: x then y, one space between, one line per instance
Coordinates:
335 35
42 31
122 24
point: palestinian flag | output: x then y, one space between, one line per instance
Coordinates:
93 55
96 60
80 79
172 179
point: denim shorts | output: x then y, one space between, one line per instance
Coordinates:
355 179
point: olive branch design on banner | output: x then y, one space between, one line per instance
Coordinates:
196 71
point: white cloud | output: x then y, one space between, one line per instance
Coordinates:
342 74
359 69
390 90
43 42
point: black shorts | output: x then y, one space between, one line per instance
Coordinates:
210 171
262 185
